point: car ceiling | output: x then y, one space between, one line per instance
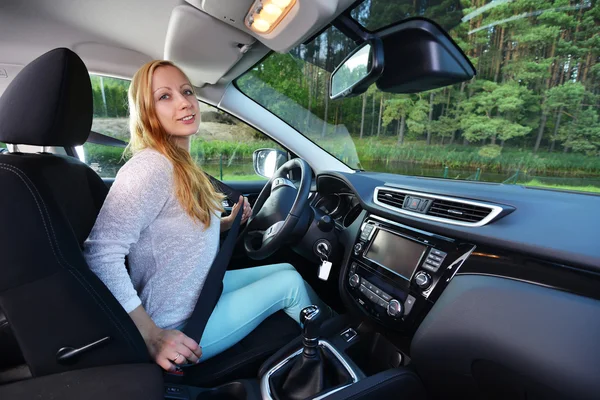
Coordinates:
116 37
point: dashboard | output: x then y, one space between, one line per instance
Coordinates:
342 207
471 273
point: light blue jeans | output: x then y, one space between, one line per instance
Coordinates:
250 296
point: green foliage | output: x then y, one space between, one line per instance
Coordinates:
491 151
537 183
114 102
537 86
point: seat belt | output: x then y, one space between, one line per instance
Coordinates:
213 285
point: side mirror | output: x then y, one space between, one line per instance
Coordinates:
267 161
358 71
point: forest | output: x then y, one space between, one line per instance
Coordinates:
533 104
529 115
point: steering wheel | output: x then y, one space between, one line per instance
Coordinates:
277 210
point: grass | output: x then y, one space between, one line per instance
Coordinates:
238 141
536 183
465 157
226 149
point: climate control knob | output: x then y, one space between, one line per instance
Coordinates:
423 280
358 248
354 280
395 308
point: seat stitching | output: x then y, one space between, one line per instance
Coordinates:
82 279
77 274
17 171
71 270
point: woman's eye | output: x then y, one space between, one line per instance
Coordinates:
163 97
188 92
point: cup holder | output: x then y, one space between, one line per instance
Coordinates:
229 391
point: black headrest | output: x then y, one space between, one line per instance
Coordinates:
49 103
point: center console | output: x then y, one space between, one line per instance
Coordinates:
396 272
394 275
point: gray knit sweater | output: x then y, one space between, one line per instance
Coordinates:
169 253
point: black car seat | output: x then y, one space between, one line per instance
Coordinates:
49 299
48 296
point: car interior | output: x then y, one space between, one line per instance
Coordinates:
442 289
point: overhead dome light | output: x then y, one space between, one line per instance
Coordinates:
281 3
261 25
265 15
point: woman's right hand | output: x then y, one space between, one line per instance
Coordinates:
169 347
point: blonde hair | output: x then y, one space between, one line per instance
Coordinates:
193 189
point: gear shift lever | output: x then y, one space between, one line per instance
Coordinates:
310 317
315 370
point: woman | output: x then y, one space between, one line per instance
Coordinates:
164 214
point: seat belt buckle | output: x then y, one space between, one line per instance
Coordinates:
178 372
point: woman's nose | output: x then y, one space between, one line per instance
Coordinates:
184 102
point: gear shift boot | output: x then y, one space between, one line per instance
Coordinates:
303 377
316 368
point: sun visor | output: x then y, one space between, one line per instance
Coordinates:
204 47
110 60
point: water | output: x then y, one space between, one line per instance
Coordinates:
240 170
405 168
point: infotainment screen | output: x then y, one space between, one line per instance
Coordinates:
395 253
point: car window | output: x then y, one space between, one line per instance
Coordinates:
531 116
110 118
223 146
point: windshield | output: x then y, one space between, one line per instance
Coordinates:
529 117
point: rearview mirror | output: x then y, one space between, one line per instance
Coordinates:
358 71
419 56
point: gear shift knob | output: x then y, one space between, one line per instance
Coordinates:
310 317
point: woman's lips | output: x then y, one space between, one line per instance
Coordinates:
188 121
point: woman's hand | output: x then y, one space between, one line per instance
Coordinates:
169 347
242 204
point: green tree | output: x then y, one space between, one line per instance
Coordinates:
396 109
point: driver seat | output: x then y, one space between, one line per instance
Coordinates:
49 299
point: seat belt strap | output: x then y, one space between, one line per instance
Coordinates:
213 285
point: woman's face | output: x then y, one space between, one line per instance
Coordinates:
175 102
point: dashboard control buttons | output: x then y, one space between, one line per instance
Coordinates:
408 304
434 260
358 248
366 232
353 268
423 280
354 280
349 334
394 308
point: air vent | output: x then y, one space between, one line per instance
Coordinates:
433 207
394 199
458 211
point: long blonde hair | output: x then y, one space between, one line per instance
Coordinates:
193 189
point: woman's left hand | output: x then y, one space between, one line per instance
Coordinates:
242 204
